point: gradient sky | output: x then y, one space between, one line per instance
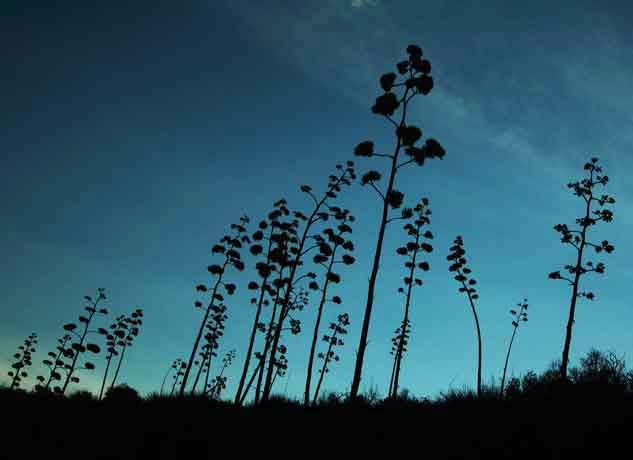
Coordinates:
134 133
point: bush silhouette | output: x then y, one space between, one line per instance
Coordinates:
122 394
416 80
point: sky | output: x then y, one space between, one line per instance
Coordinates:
134 133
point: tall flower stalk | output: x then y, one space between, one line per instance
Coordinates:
466 282
416 80
24 360
229 247
578 239
519 315
411 251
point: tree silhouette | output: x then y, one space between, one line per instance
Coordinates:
415 73
462 271
410 250
578 239
23 360
328 245
333 340
229 247
519 315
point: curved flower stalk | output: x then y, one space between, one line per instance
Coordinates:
162 385
69 351
462 277
333 340
116 330
519 315
266 245
415 81
410 251
214 389
578 239
229 247
321 212
132 327
212 338
329 247
23 360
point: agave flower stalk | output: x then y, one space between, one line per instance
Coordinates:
327 258
216 330
458 266
23 360
334 187
519 315
116 329
133 324
228 246
215 388
54 365
415 72
333 340
264 270
179 365
411 251
78 348
578 239
169 369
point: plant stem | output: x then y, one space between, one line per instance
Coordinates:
505 367
574 295
362 345
183 384
306 394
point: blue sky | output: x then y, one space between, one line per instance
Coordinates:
133 135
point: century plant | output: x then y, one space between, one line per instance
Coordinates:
466 283
179 365
116 332
215 328
329 245
333 340
131 330
415 80
72 345
23 360
578 239
214 389
267 246
228 247
320 212
519 315
410 251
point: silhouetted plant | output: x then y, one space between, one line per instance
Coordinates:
415 73
333 340
214 389
327 257
122 336
519 315
179 365
335 184
265 268
458 266
212 338
229 247
67 358
23 361
410 250
54 365
577 238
